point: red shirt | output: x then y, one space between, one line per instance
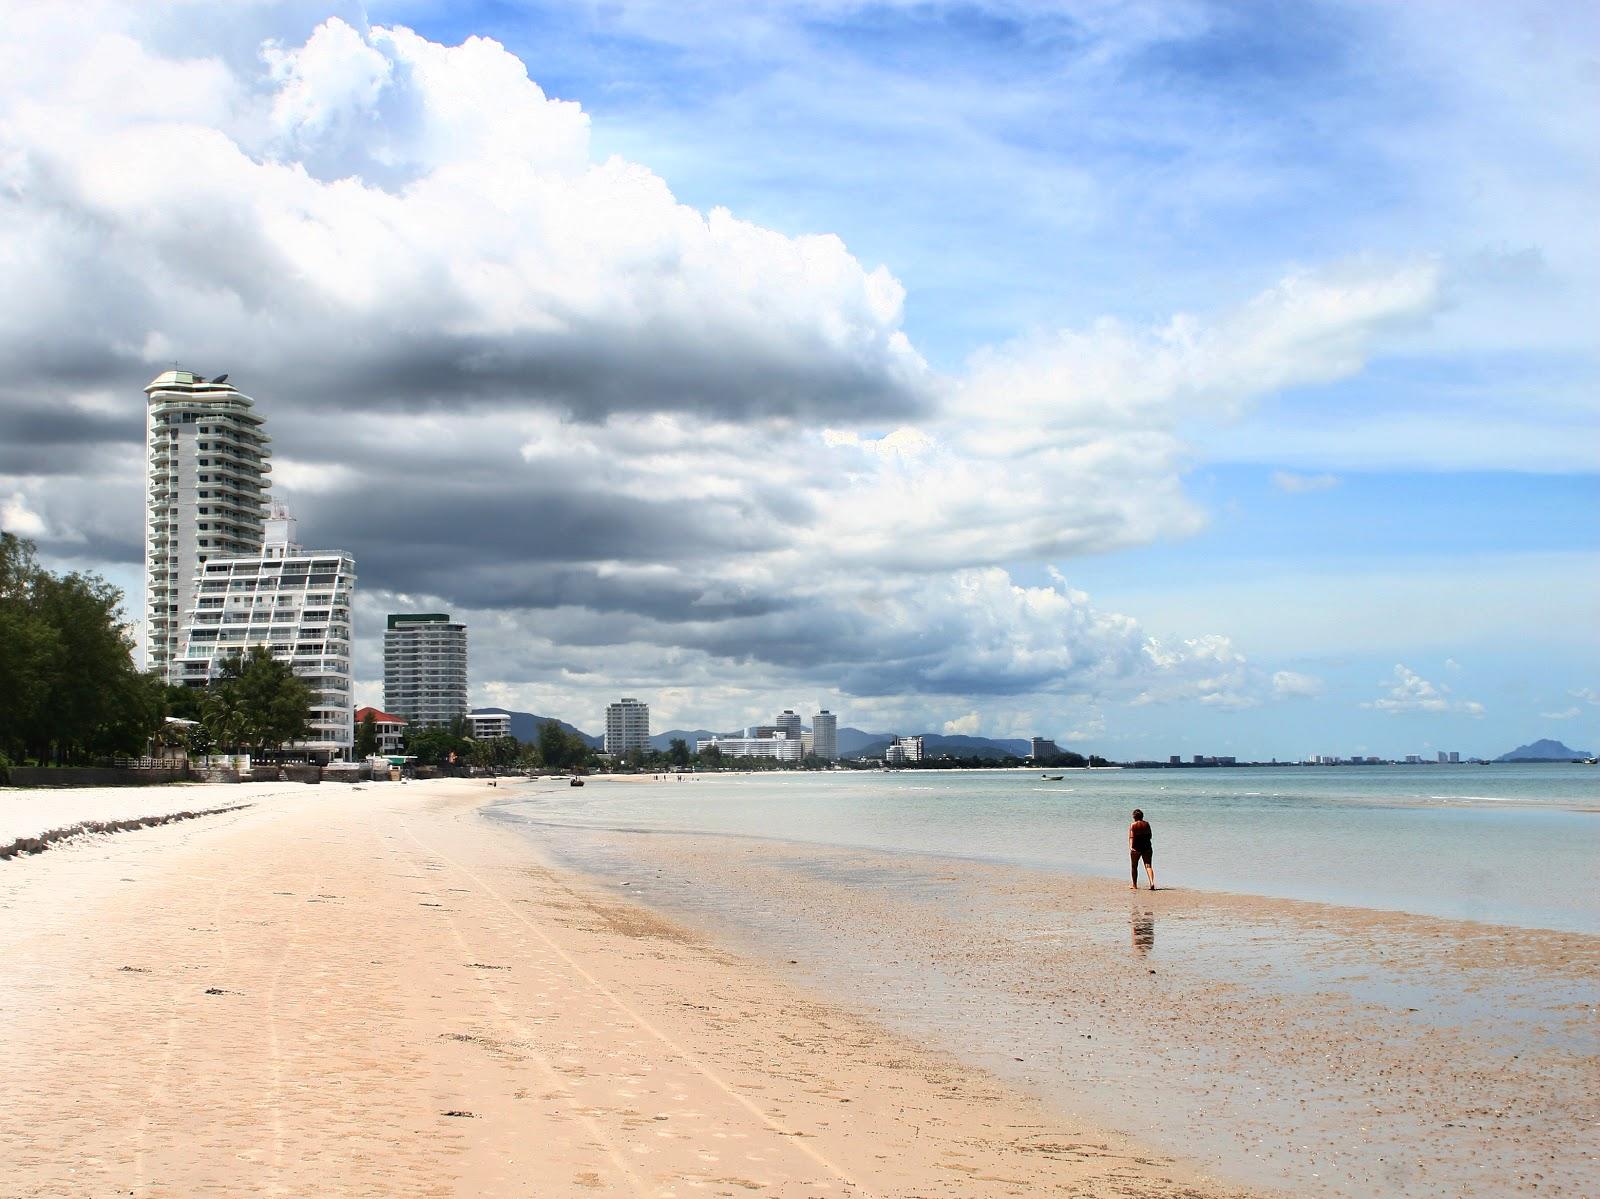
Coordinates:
1139 834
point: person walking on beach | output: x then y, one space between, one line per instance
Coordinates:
1139 847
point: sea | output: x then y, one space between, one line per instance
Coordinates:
1423 1022
1504 844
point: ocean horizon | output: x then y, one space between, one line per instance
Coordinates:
1514 844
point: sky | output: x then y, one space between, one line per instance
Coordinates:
1164 378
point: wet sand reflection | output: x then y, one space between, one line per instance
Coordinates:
1144 931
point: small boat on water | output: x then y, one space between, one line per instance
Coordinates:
574 781
1054 778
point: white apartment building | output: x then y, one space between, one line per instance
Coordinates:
781 748
205 496
486 726
425 668
627 726
293 601
903 749
825 736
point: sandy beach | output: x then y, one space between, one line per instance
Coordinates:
376 991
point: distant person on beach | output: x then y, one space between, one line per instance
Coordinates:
1139 847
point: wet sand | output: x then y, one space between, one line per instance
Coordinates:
1325 1050
379 992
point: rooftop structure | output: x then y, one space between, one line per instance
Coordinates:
205 495
425 668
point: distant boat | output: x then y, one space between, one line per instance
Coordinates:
574 782
1055 778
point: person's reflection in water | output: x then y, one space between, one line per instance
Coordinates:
1144 933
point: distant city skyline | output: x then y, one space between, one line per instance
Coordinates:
1176 378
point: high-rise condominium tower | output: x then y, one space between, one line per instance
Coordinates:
205 490
425 668
788 725
627 726
291 601
825 736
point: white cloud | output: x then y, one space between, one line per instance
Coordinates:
1289 684
16 517
416 221
965 726
1091 728
1295 484
1410 692
1567 714
633 439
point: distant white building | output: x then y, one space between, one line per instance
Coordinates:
485 726
780 748
627 726
825 736
904 749
1043 747
292 601
425 668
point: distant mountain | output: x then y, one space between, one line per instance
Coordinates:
525 726
853 743
1544 750
663 741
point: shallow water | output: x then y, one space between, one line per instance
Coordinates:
1517 845
1333 1051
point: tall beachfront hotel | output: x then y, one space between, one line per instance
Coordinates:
825 736
292 601
205 494
425 668
627 726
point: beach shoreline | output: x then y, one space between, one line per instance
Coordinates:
374 990
1323 1048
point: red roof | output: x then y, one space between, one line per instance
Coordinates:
377 716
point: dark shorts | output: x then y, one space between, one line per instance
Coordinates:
1141 851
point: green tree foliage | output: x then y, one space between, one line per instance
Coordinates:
436 747
678 751
560 749
186 703
367 736
70 691
257 702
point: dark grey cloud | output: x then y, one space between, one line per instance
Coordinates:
45 438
